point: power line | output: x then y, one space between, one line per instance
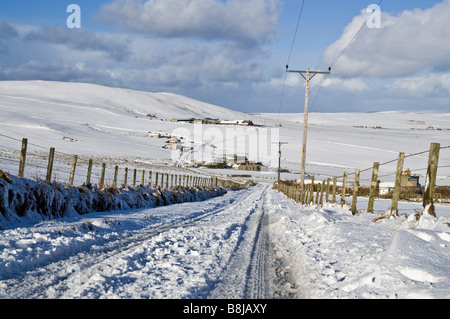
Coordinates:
289 57
318 91
339 56
296 30
354 37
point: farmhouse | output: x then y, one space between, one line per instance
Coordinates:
407 180
172 146
155 135
215 121
236 122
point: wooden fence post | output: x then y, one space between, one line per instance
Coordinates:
306 194
51 157
430 182
327 191
116 172
311 194
373 187
150 179
125 177
307 188
134 177
344 188
156 179
89 172
72 172
102 177
143 177
23 156
322 189
316 200
333 200
397 187
355 191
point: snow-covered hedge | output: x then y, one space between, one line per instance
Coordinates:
23 200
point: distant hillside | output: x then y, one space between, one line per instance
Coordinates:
161 105
101 122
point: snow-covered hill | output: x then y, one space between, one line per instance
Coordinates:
98 121
116 100
93 119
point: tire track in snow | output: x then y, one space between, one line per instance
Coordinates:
56 279
258 276
246 275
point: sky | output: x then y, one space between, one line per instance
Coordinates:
233 53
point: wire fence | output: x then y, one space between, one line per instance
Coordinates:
406 185
386 170
94 170
420 171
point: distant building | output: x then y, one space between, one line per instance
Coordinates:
216 121
236 122
171 146
155 135
407 180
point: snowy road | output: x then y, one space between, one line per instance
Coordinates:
252 243
213 249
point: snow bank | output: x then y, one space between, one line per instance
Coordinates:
24 201
329 253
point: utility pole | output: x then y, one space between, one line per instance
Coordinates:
279 159
309 75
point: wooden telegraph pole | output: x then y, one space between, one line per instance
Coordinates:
307 75
279 160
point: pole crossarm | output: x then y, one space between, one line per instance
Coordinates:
313 73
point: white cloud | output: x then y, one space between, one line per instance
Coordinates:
354 84
405 44
245 21
432 84
82 40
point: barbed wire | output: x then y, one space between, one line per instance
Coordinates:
394 160
62 166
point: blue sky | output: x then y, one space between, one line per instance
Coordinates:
233 53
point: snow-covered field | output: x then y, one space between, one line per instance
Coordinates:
113 125
252 243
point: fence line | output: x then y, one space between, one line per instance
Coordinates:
396 159
305 195
58 166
